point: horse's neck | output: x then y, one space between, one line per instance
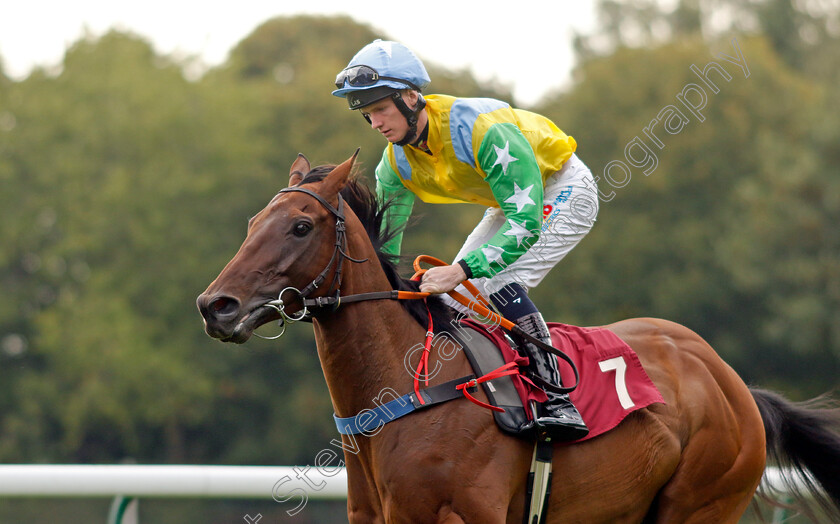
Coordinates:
363 346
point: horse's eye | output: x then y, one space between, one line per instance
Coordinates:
302 229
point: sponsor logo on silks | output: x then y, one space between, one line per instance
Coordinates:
547 209
549 213
564 195
546 223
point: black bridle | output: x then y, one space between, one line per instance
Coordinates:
332 297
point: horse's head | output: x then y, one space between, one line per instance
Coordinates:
294 247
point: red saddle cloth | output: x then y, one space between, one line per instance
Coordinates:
612 384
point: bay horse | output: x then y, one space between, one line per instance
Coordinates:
697 458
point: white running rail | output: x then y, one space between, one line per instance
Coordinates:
259 482
126 483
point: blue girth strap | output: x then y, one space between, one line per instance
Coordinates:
369 421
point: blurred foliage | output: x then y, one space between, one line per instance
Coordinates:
733 231
127 187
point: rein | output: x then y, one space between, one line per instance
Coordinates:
482 307
479 305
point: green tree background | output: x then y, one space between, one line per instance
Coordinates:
127 183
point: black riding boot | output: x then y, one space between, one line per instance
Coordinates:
558 416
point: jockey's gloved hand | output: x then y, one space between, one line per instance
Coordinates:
442 279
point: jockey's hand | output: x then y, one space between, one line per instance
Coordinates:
442 279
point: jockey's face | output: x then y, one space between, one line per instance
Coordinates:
387 119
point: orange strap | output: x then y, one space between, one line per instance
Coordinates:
479 304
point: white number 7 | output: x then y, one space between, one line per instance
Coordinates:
618 365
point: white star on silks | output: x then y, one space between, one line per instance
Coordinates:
503 156
521 197
518 231
492 253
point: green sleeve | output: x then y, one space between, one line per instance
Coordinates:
389 188
513 174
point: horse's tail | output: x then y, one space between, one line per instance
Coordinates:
803 439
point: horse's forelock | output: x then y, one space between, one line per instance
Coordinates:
317 174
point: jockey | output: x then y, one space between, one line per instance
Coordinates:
541 199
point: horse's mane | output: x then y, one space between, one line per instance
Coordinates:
371 213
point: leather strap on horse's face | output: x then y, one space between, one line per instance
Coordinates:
340 250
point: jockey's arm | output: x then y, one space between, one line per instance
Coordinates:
511 170
390 189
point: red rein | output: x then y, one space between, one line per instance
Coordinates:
508 369
424 358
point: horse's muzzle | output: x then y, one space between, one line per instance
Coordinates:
227 320
221 314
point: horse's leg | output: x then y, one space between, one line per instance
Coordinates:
464 474
723 454
363 505
695 495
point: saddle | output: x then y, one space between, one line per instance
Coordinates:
612 382
513 394
609 380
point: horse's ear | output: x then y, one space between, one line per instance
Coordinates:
298 170
337 178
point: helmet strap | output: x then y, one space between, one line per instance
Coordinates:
411 115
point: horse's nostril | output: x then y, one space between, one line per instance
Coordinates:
220 308
223 306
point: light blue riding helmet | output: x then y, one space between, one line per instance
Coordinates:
378 70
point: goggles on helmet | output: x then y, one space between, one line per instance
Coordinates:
364 76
